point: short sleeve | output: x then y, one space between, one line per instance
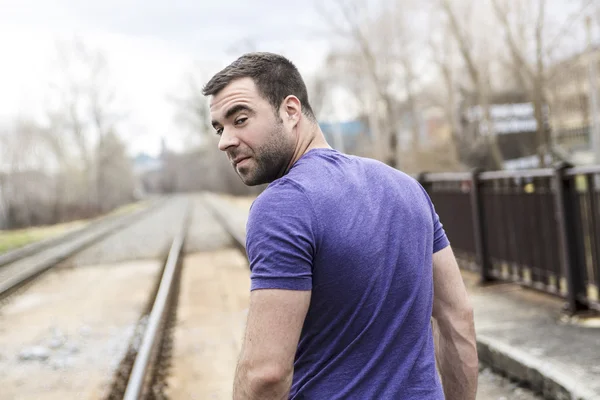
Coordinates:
280 238
440 240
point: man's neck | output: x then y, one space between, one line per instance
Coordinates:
310 137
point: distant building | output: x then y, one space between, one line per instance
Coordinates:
567 113
143 163
148 174
346 136
512 122
434 127
569 95
351 136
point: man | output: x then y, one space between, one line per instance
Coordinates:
348 259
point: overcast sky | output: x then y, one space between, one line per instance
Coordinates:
150 46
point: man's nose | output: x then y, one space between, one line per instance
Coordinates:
227 140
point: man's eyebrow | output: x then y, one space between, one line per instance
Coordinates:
236 109
232 111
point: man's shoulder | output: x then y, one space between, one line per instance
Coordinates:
284 193
281 209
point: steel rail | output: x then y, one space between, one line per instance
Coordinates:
153 333
86 238
239 238
36 247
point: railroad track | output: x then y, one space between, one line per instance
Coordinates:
36 247
238 237
22 266
143 371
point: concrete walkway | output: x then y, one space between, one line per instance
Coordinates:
521 333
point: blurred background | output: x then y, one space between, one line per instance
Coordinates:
101 104
103 125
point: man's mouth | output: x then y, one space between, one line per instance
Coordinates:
239 160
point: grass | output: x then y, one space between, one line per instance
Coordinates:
12 239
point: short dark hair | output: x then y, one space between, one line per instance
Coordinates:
275 77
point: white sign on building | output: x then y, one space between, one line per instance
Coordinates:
506 118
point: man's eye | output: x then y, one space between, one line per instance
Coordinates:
219 131
240 121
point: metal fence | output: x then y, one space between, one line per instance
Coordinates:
539 228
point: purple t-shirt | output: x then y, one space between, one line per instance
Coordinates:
360 235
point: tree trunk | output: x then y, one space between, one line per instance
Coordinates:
542 145
538 89
491 138
392 151
478 82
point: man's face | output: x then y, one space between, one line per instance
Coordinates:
256 141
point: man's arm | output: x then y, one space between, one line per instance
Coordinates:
266 363
456 348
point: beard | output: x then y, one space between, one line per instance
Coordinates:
268 162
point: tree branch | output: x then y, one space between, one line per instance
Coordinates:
553 44
463 43
502 15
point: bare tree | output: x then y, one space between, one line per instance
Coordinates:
533 72
376 64
26 175
382 44
443 58
534 75
318 90
115 171
346 76
83 114
478 80
192 111
405 39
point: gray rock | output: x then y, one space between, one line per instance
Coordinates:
72 349
56 342
58 364
61 363
38 353
56 332
58 339
85 330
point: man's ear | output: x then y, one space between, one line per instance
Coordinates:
292 109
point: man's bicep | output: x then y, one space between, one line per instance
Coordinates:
450 294
275 321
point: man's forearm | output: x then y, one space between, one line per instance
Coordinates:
254 385
456 354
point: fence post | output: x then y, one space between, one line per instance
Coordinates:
479 228
566 212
